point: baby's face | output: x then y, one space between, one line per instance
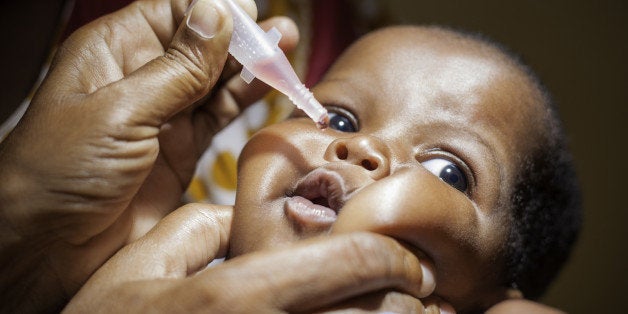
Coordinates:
422 147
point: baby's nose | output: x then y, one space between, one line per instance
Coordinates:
366 151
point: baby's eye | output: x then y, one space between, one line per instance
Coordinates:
448 172
342 120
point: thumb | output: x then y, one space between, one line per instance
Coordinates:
182 243
187 71
187 240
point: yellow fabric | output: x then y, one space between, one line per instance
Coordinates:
224 170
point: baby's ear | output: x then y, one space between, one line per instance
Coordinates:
499 296
513 306
512 293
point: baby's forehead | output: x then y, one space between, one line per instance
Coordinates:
453 61
394 45
442 62
431 55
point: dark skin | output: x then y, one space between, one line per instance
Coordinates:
97 161
453 103
309 263
77 218
100 150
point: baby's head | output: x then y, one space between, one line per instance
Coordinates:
438 139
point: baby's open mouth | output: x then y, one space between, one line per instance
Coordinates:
316 200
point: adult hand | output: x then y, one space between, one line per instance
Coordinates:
160 272
111 139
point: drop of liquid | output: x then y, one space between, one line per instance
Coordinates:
323 123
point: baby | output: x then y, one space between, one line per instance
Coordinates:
438 139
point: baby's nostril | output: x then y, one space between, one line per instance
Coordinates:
342 152
369 164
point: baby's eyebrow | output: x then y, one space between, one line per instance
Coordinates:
487 159
453 131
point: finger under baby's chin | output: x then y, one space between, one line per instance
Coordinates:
385 301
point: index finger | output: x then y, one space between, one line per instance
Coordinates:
317 273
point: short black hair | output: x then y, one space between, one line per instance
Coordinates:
545 207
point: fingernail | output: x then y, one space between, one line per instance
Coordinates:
446 308
428 283
205 18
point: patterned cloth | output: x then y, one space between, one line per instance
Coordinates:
326 28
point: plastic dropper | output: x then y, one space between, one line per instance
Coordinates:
260 56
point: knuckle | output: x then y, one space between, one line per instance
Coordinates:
189 210
222 110
203 214
196 76
194 220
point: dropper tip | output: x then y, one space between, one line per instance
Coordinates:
323 123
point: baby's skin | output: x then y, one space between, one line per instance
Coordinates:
397 207
426 126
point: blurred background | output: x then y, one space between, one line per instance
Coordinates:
579 50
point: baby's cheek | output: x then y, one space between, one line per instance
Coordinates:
427 215
411 202
418 209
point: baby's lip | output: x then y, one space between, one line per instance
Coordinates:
318 197
323 187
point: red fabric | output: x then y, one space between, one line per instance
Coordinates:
333 32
